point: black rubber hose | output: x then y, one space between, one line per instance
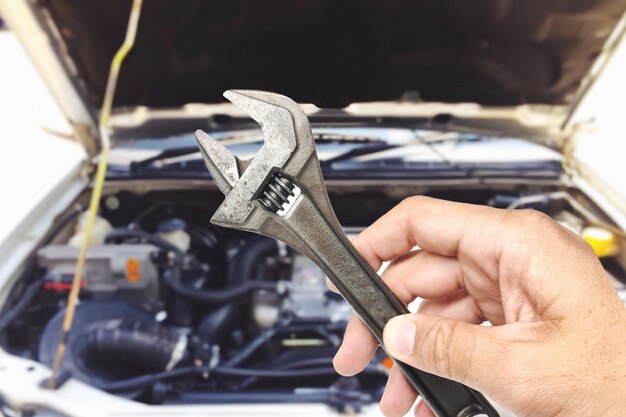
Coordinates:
245 263
173 276
317 396
146 380
23 303
224 296
243 271
247 351
268 373
304 363
250 348
139 344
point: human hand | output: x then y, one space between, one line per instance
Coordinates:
557 346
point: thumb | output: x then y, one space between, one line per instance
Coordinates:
467 353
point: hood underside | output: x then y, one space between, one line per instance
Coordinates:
332 53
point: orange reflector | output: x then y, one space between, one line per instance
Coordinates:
387 363
132 270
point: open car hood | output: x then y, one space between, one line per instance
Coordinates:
329 53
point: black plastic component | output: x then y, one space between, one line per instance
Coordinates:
276 193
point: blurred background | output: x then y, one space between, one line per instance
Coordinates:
33 124
37 149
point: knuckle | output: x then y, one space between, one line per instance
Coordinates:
532 226
412 202
535 219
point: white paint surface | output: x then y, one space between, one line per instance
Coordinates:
603 151
32 161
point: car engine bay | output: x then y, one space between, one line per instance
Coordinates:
174 310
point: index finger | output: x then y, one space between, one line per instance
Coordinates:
434 225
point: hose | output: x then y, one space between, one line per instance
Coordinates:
261 339
146 380
23 303
305 363
224 296
575 204
246 261
268 373
241 273
251 347
173 277
138 344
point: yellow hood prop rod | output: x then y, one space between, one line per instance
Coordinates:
109 94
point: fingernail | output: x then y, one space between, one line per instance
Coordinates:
399 336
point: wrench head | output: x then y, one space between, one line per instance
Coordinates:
285 129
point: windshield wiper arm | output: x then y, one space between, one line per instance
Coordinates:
167 153
323 137
372 145
429 141
356 152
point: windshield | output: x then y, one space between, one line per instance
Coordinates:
358 152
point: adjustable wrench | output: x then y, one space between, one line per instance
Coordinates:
281 193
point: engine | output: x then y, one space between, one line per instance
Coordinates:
174 310
192 314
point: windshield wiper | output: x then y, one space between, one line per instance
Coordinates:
371 146
320 138
356 152
165 154
429 141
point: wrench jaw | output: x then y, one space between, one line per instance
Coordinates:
221 163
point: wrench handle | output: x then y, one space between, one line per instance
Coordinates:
328 246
